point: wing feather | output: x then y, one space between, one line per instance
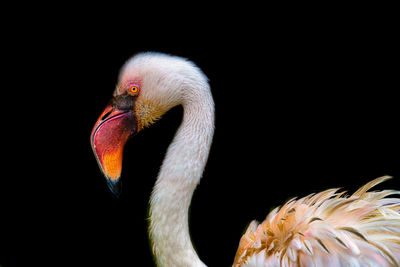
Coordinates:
327 229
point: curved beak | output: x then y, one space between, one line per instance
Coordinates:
108 138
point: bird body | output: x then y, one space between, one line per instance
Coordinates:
326 229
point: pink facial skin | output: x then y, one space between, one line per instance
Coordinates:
124 85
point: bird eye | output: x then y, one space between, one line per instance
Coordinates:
133 90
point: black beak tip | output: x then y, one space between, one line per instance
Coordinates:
114 186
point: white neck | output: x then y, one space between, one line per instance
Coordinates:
179 175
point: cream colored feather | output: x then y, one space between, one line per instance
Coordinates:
327 229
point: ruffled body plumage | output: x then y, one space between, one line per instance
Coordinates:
327 229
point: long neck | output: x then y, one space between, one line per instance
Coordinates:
178 177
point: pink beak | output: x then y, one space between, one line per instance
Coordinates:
108 138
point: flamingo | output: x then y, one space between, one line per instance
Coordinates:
325 229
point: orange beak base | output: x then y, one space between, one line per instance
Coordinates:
108 138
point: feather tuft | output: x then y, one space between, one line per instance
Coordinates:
328 229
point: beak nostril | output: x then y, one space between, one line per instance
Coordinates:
106 115
124 102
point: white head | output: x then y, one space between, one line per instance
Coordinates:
149 84
164 81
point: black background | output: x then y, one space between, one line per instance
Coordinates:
303 104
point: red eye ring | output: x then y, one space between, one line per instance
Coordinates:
133 90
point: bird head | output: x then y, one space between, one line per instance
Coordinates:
149 84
